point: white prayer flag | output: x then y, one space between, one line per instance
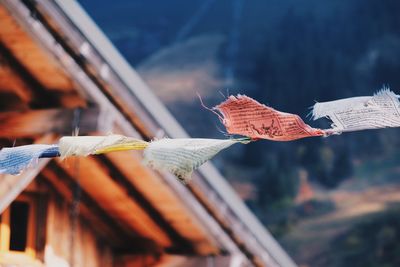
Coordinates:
182 156
360 113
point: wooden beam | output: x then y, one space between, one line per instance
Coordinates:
39 122
43 67
136 260
107 228
98 183
137 179
180 243
32 90
10 81
168 260
39 95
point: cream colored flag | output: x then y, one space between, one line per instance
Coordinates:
182 156
88 145
360 113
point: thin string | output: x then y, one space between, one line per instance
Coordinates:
77 191
209 109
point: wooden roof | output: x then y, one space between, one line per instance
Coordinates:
132 196
54 76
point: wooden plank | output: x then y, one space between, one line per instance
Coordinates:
11 82
90 212
5 231
168 204
36 94
42 66
95 231
33 75
180 243
99 185
11 101
85 211
135 260
168 260
33 123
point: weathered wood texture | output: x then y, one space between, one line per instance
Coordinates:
167 203
89 213
33 75
72 243
98 183
175 261
33 123
34 59
61 238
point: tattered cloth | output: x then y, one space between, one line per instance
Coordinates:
89 145
182 156
360 113
245 116
13 160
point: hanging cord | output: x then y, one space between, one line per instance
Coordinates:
74 212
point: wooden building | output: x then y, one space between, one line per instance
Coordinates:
58 72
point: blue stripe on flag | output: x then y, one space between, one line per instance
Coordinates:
13 160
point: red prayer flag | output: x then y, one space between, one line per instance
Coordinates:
245 116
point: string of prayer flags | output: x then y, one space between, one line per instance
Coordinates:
13 160
360 113
178 156
245 116
90 145
182 156
240 115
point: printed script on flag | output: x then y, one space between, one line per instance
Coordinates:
245 116
361 113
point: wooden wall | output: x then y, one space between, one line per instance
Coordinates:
64 239
71 240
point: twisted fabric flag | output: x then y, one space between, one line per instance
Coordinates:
13 160
182 156
360 113
245 116
89 145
